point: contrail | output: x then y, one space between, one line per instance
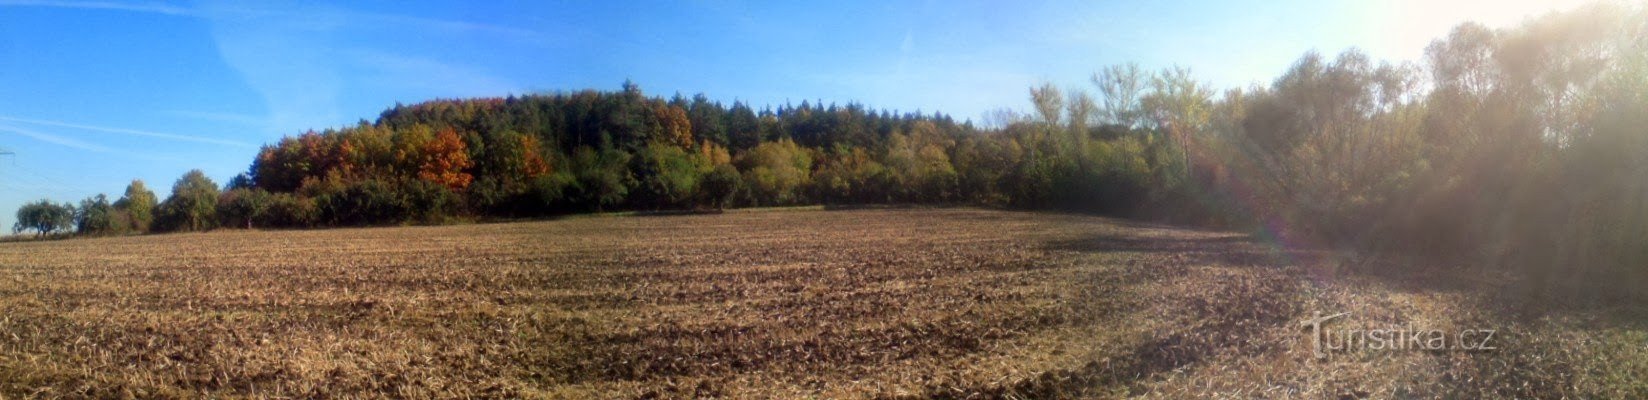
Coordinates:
102 5
55 139
134 132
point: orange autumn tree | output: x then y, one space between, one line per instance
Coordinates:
673 125
344 158
445 159
533 164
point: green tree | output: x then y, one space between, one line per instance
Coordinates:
602 177
192 205
851 175
44 217
743 127
669 175
775 171
139 206
96 216
920 166
241 207
721 185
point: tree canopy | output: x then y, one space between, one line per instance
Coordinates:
44 217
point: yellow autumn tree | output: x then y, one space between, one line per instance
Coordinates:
674 125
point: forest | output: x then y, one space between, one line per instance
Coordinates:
1521 149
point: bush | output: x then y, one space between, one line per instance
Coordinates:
287 210
720 185
241 207
602 177
368 202
487 195
428 202
548 193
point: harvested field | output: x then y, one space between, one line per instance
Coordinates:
946 303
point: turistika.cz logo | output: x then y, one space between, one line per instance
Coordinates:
1326 341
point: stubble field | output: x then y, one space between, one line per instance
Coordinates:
924 303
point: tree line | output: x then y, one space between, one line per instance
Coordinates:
1522 147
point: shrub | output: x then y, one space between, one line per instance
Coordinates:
287 210
241 207
720 185
428 202
368 202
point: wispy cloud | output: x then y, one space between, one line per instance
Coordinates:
241 119
81 144
302 62
56 139
289 55
388 69
153 8
287 61
422 23
124 131
219 10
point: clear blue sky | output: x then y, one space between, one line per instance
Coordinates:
95 93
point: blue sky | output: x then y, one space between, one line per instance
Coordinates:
94 94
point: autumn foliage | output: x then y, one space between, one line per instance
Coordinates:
445 159
1501 143
532 163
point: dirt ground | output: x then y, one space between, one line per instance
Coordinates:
904 303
